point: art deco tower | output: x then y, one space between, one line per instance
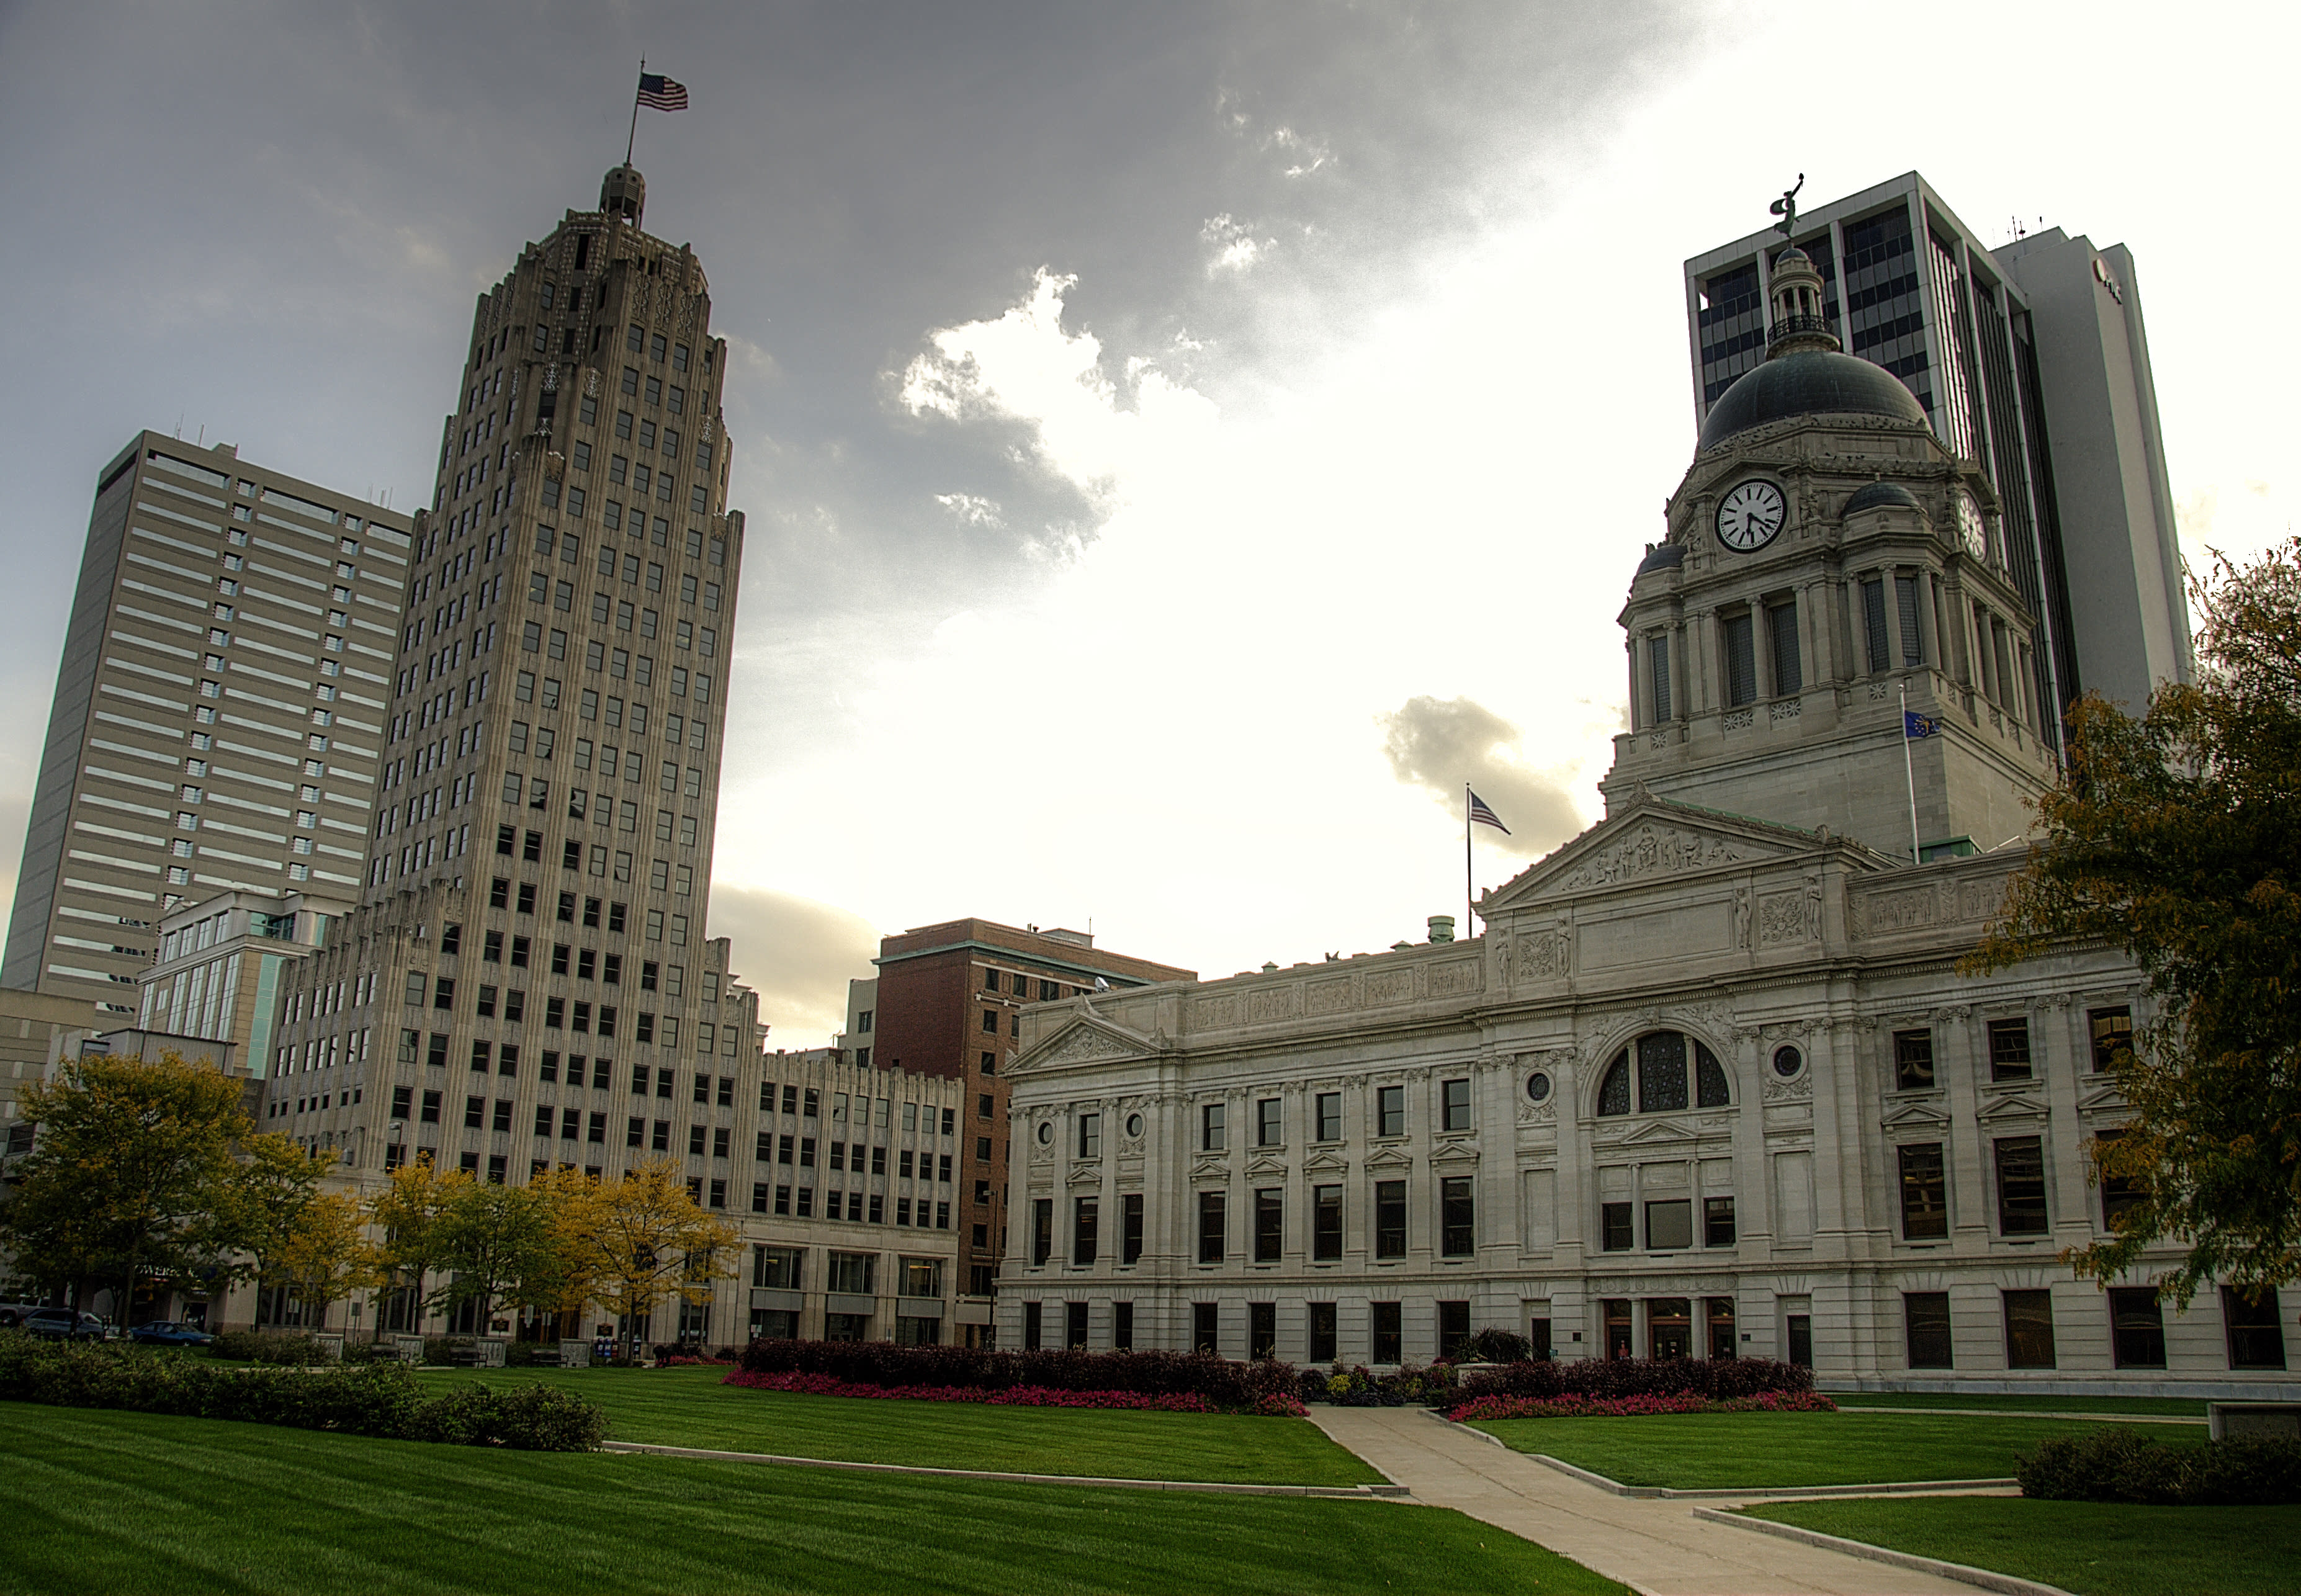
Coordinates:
539 880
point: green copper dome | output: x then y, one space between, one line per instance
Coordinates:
1809 382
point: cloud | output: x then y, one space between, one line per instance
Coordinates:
1233 248
1439 744
971 508
797 954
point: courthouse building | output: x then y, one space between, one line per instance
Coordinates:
1710 1083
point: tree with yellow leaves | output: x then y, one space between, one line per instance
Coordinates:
642 1239
413 1210
325 1256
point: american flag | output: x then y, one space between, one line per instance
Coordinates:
662 93
1484 815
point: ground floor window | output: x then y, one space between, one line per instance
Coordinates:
1721 1314
1453 1329
1122 1326
1799 1332
847 1327
1619 1340
1074 1327
1262 1329
1033 1323
917 1333
1670 1327
1925 1317
1323 1348
2137 1328
2028 1330
1204 1320
2257 1339
1389 1335
773 1324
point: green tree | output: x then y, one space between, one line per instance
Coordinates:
129 1174
325 1256
412 1211
2177 837
492 1237
271 1187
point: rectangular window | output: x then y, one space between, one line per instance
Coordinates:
1390 1219
1614 1227
1925 1319
1130 1227
1089 1136
1718 1222
2028 1330
1322 1349
1086 1224
1326 1223
1875 637
1268 1127
1456 1104
1741 660
1657 667
2008 1051
2119 1193
1390 1110
1669 1225
1925 1192
1389 1341
1457 1217
1453 1329
1042 1229
1212 1226
2021 1186
1073 1325
2256 1337
1269 1225
1033 1325
1330 1115
1905 599
1913 1060
1205 1320
1210 1127
1261 1329
1781 624
2112 1031
2137 1327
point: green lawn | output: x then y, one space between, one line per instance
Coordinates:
2151 1406
1703 1451
99 1502
2096 1548
689 1406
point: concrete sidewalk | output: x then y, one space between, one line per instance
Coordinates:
1657 1547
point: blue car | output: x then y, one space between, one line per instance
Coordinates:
168 1333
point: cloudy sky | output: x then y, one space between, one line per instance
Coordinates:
1181 443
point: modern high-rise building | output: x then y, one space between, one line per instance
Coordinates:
2019 370
218 710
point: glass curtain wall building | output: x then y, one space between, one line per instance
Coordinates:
1908 286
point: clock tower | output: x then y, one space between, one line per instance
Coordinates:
1831 576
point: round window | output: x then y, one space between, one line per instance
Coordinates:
1537 1087
1787 1062
1135 1124
1046 1133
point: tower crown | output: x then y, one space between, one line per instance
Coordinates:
622 193
1798 323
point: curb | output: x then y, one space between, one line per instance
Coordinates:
1665 1493
1214 1487
1987 1579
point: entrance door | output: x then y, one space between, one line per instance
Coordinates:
1670 1327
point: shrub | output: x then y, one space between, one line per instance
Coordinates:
1717 1379
1493 1407
1223 1383
375 1398
1492 1345
288 1347
2118 1466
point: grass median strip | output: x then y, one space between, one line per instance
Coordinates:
688 1407
1712 1451
104 1501
1998 1402
2094 1548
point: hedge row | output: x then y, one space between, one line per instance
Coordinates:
1223 1383
380 1398
1717 1379
2118 1466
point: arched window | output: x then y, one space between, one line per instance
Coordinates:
1663 1084
1614 1090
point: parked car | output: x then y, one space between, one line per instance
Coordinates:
13 1308
62 1324
169 1332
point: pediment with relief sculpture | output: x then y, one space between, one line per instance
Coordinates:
1088 1039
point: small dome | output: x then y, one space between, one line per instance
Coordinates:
1811 382
1662 556
1793 256
1880 496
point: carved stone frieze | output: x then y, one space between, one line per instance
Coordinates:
1268 1005
1546 954
1654 848
1455 977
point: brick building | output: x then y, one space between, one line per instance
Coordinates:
948 1002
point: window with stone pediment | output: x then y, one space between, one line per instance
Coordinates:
1658 1063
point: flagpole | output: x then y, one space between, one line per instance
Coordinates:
632 142
1909 770
1469 892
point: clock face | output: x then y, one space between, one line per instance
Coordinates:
1751 515
1970 532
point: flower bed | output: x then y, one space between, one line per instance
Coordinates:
1496 1407
1226 1387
